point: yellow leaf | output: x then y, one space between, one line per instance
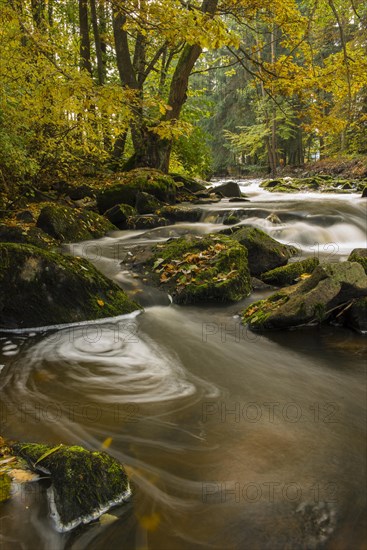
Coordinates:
100 303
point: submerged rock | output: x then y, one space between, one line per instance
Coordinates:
154 182
202 269
85 484
39 288
359 255
288 274
264 252
312 301
71 224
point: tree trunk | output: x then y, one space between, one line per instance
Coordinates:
97 43
85 63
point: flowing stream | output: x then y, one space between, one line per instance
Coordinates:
232 440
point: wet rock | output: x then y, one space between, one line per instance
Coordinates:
181 213
312 301
146 203
228 189
359 255
202 269
52 289
355 316
264 252
273 218
84 484
154 182
70 224
231 219
119 214
147 221
364 193
288 274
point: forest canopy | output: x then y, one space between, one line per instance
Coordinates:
190 86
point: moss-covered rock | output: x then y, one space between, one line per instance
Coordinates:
5 487
359 255
26 235
310 302
85 484
264 252
288 274
146 203
312 183
39 288
180 213
202 269
146 221
119 214
71 224
150 181
230 219
190 184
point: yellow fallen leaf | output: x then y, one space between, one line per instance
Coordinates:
150 523
107 443
100 303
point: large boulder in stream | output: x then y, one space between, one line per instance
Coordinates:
202 269
71 224
330 288
154 182
39 288
84 484
264 252
228 189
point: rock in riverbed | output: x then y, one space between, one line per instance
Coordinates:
39 288
84 485
331 286
202 269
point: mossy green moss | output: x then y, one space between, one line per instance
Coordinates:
5 487
84 483
203 269
71 224
288 274
359 255
150 181
264 252
311 301
52 289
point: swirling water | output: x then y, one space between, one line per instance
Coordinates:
231 439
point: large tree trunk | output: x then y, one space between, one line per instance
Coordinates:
150 149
